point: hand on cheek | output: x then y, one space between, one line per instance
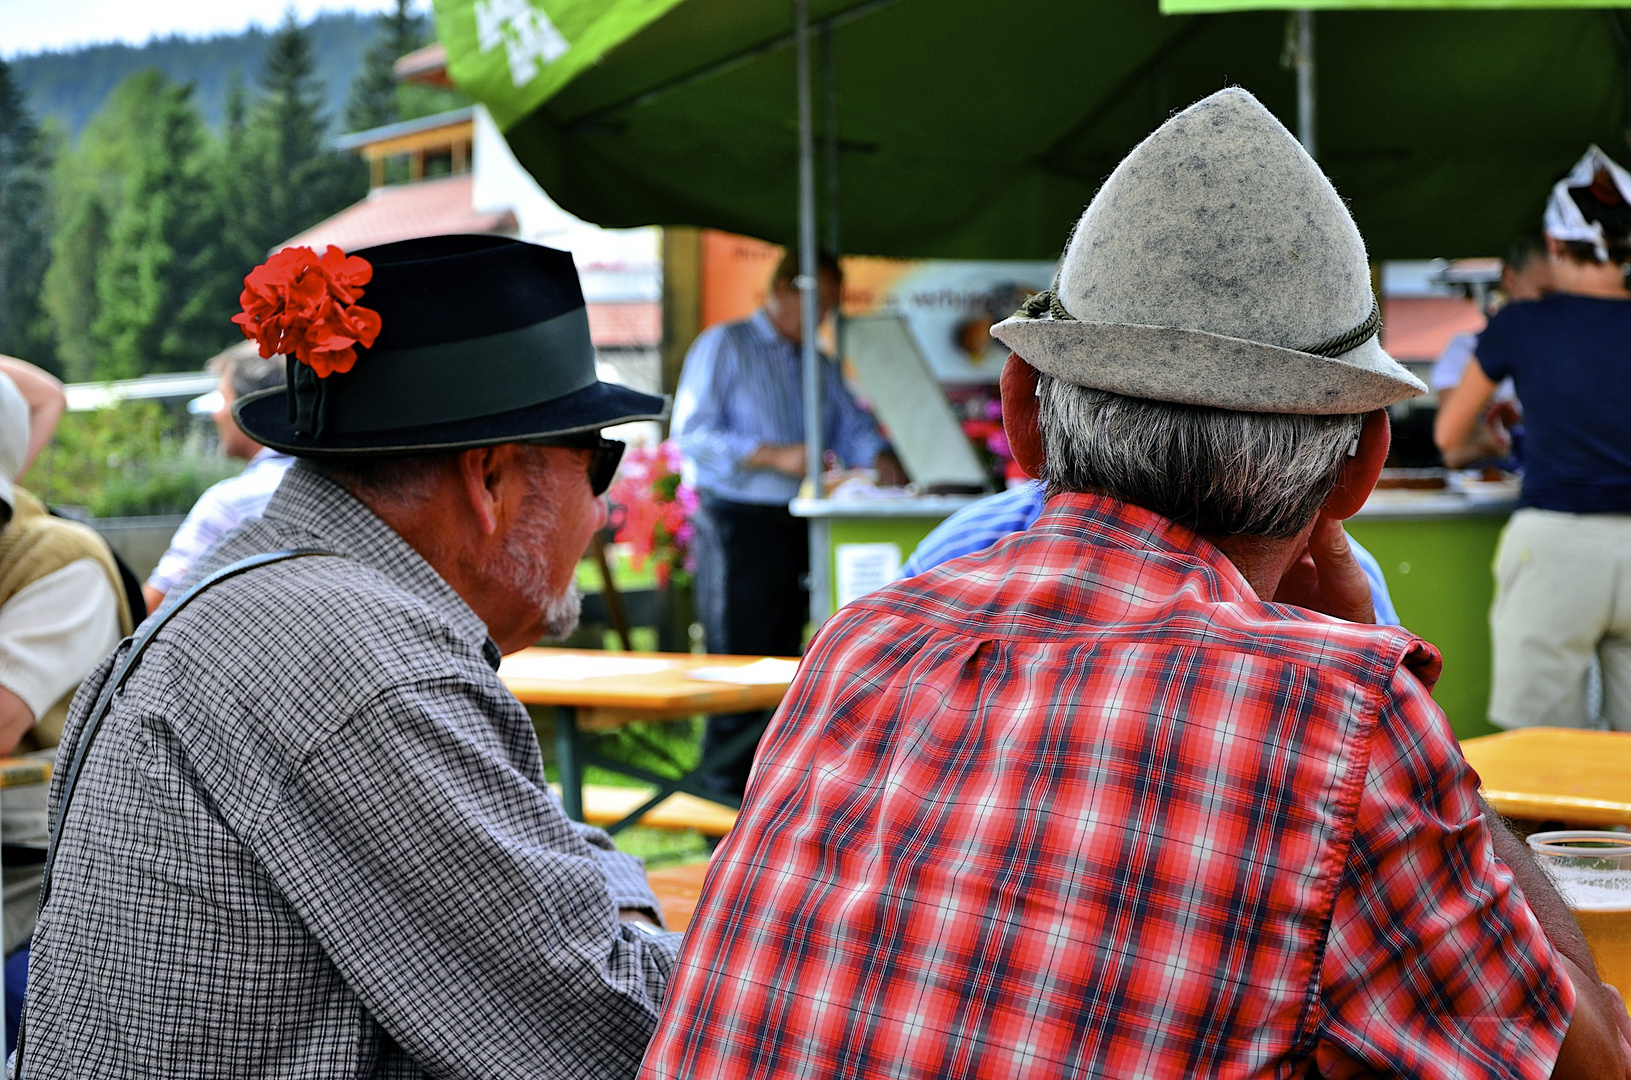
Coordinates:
1327 578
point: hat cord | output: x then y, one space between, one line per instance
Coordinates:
1045 304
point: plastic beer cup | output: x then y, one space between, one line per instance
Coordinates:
1592 872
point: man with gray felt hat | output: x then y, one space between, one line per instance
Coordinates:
302 829
1142 790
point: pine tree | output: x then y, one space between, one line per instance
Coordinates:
241 242
69 296
373 98
91 183
301 180
152 284
25 228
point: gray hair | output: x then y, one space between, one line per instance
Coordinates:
1216 471
403 479
248 370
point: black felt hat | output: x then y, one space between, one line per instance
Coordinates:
483 340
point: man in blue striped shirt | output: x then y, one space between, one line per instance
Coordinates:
739 421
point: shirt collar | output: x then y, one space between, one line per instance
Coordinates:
265 454
311 502
761 324
1102 520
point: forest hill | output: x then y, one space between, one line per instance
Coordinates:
123 253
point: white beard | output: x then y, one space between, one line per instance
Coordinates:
528 572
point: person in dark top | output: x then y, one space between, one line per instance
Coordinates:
1564 560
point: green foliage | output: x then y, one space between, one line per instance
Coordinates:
25 249
71 87
124 462
373 99
302 181
152 281
69 291
414 100
93 183
160 220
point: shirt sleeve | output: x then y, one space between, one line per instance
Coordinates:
54 631
1435 967
1380 598
977 526
702 411
1495 344
206 523
851 432
477 924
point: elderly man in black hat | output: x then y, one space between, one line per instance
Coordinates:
308 833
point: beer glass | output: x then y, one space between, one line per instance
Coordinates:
1592 872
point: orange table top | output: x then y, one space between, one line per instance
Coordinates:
678 889
1556 774
609 687
21 771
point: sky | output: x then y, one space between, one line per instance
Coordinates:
28 26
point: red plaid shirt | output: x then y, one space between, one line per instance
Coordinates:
1081 805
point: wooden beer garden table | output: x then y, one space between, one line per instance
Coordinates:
593 692
1582 778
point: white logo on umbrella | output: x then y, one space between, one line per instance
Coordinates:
531 41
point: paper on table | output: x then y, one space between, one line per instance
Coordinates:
765 672
571 668
864 568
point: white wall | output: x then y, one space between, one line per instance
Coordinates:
616 265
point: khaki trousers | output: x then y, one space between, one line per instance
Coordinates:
1562 599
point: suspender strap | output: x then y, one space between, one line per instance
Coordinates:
115 683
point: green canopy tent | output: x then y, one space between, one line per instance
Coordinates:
964 128
972 129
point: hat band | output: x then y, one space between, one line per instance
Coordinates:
1046 304
458 380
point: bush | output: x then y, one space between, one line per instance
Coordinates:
127 461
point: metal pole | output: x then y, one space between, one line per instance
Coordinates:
1305 81
829 90
811 309
829 87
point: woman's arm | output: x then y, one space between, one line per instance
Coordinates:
46 402
1456 431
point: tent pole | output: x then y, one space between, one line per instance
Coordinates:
829 91
1305 80
811 300
829 88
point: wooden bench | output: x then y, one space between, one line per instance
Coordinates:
678 889
603 805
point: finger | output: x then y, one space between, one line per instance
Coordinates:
1345 591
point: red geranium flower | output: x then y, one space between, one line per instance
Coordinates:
297 303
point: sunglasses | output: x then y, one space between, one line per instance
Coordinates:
607 453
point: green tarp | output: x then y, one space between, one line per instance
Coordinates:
971 128
514 55
1196 7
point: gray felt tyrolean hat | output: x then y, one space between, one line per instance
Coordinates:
1217 266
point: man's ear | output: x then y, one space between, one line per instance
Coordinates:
1358 476
478 470
1020 415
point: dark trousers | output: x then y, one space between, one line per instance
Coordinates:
751 598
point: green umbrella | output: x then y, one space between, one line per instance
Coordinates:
976 129
967 128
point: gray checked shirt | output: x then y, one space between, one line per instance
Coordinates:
313 839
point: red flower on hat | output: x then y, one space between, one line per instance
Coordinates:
297 303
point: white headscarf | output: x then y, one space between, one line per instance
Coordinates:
1564 221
